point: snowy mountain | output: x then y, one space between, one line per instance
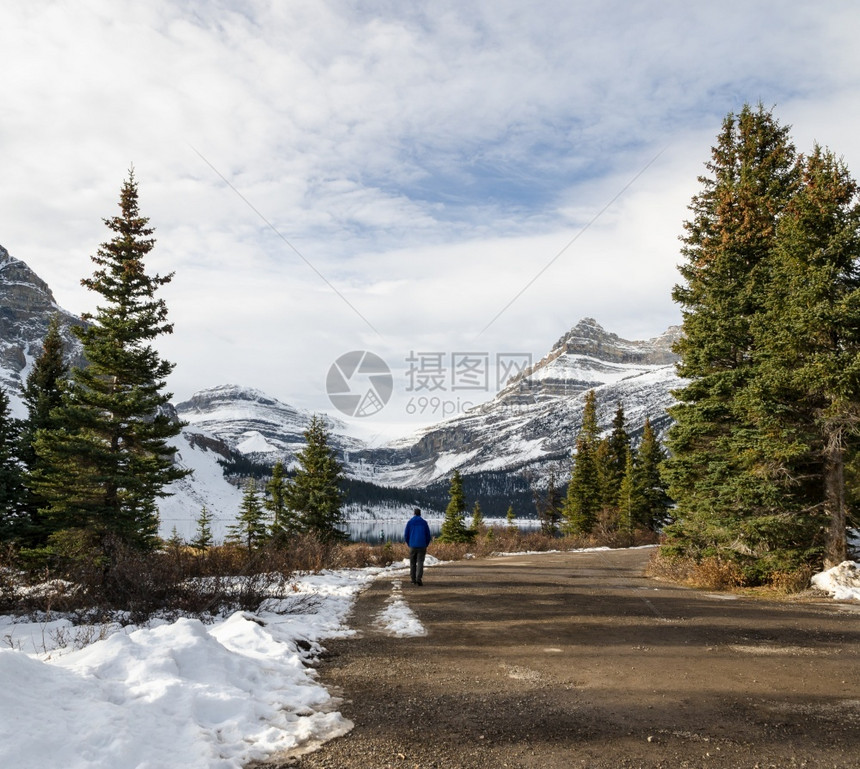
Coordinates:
526 430
531 425
26 308
254 424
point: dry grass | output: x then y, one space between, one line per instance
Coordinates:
720 574
708 573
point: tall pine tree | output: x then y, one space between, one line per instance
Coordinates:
250 526
43 392
454 525
618 445
712 471
583 492
284 523
11 490
808 396
203 538
102 469
314 493
651 503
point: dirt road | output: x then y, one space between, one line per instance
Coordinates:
577 660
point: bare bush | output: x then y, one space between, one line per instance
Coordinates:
711 573
791 581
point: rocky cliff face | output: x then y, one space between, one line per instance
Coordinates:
26 307
586 357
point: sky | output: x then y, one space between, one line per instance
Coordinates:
416 180
214 696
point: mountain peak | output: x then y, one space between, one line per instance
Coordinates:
28 306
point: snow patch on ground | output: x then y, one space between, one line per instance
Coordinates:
842 582
397 619
175 693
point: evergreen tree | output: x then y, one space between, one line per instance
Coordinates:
608 481
727 248
175 542
629 494
313 494
250 526
477 518
43 392
549 507
618 446
808 341
651 503
453 526
284 523
11 489
583 492
203 538
103 468
511 517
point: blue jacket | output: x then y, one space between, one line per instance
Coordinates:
417 533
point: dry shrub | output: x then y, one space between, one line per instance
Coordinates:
449 551
354 556
792 580
358 555
308 553
718 574
711 573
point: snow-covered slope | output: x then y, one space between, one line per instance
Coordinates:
253 423
532 423
206 487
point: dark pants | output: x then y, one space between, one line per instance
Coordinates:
416 563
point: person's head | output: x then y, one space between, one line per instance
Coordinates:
416 511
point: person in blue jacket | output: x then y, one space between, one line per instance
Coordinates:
417 536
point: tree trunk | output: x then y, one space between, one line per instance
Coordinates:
836 550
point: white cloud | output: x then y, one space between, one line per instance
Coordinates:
428 161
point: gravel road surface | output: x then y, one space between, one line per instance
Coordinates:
564 660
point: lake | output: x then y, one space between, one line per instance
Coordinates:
392 531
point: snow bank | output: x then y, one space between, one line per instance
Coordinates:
842 582
178 694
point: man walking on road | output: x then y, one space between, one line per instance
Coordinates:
417 536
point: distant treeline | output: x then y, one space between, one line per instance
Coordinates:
494 491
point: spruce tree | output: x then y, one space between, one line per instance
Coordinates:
808 396
42 392
102 468
284 523
618 446
314 494
453 526
583 492
651 503
511 517
250 526
549 507
477 518
203 538
11 489
629 494
728 247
